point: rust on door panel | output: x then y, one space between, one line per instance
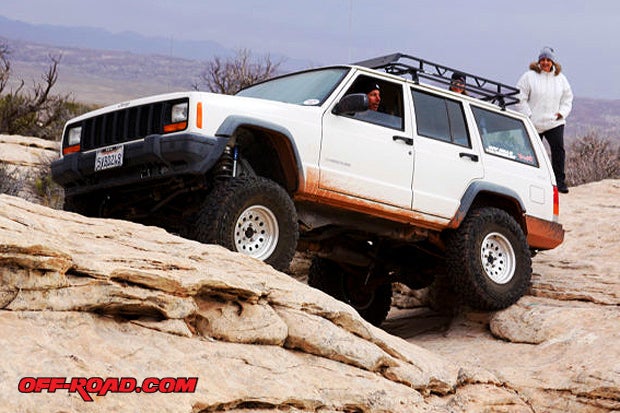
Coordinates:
311 192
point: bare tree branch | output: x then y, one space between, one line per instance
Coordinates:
231 75
34 112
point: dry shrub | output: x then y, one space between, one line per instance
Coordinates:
590 159
230 75
47 192
10 183
34 185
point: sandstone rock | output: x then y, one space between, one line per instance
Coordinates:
26 159
26 151
559 348
86 297
230 376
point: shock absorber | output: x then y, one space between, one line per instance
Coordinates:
235 159
227 165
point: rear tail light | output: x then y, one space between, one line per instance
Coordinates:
556 203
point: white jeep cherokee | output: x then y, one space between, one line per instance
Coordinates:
433 184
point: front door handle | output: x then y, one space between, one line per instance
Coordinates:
408 141
471 156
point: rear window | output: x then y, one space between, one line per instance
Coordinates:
440 118
504 136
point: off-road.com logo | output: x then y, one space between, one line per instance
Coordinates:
99 386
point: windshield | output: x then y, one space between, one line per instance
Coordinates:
305 88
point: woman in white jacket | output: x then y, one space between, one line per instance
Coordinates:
546 97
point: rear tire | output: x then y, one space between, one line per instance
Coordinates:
251 215
87 206
489 260
331 278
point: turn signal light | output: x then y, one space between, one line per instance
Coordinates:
70 149
174 127
199 115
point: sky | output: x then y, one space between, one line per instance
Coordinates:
496 39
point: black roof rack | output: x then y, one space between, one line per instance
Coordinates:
485 89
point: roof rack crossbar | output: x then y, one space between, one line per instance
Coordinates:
402 64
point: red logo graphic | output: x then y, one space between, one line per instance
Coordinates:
100 386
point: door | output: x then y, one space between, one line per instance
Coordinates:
369 155
446 160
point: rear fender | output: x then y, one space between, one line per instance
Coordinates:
490 194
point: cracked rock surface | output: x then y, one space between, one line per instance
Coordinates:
86 297
83 297
559 346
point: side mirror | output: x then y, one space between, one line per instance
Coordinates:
356 102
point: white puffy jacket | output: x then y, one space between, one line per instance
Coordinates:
542 95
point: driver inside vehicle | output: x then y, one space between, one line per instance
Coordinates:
384 102
373 91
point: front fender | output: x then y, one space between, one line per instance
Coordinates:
286 147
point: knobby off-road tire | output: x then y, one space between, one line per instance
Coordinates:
251 215
488 260
331 278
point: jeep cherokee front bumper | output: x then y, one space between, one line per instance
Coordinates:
152 158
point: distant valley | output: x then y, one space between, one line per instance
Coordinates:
104 77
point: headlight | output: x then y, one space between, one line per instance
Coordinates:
179 112
74 136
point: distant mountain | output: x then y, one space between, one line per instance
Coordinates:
95 69
90 38
594 116
130 42
102 77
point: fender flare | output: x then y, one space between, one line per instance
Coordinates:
233 122
478 187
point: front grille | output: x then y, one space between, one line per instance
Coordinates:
125 125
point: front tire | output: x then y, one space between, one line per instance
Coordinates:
489 260
251 215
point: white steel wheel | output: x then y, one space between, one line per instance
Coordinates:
498 258
256 232
251 215
488 259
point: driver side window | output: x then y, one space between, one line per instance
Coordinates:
390 110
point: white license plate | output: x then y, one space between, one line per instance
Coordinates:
111 157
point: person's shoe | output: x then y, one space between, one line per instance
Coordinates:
563 189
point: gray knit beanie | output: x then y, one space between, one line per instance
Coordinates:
548 53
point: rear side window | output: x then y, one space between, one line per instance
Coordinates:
440 118
504 136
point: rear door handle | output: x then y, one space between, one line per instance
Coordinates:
408 141
471 156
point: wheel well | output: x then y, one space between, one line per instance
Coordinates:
271 155
511 206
